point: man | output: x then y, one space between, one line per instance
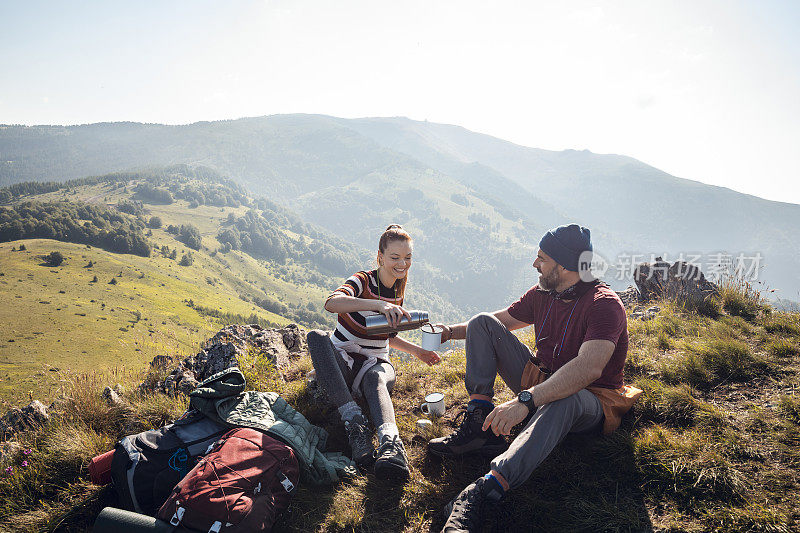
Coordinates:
574 384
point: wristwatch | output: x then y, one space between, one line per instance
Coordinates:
526 398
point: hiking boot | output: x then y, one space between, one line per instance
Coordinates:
469 438
391 460
360 439
466 512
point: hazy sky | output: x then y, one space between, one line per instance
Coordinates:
705 90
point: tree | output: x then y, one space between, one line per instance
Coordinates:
186 260
22 248
155 222
190 236
54 259
94 279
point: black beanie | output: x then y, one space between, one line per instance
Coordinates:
565 244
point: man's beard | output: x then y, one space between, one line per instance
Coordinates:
549 282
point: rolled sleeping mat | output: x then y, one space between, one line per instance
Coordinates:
112 520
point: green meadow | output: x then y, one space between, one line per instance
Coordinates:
57 320
712 445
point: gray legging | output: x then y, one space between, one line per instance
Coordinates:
331 369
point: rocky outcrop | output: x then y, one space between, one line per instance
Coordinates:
629 297
112 397
680 281
223 351
33 415
642 313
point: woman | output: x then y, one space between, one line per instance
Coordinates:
350 361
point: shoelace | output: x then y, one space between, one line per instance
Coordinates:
358 434
463 421
388 446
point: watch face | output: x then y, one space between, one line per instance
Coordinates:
525 396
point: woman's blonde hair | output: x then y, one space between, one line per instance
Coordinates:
395 232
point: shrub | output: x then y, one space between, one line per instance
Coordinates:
782 348
190 236
22 248
688 467
155 222
54 259
727 358
186 260
789 408
709 306
705 363
783 323
94 279
113 281
739 298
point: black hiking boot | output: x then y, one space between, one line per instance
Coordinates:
360 438
391 460
469 438
466 512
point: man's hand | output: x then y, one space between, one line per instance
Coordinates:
429 357
505 416
447 332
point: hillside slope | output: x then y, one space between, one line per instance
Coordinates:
712 445
100 309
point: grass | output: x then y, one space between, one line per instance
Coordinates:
712 445
740 298
58 318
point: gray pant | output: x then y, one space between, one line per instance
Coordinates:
336 379
492 350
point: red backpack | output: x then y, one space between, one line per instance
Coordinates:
243 484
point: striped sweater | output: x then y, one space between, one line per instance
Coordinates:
350 326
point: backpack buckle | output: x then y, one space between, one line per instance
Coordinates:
288 486
178 516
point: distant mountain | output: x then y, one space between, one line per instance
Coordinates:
353 176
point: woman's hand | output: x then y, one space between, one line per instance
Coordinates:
393 313
429 357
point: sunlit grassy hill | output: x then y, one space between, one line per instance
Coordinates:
59 319
712 445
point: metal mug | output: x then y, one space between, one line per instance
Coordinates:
434 404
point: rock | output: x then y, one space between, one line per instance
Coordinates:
216 358
223 350
629 296
187 385
9 449
680 281
640 313
161 362
29 417
111 397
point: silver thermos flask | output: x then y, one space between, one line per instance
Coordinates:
378 324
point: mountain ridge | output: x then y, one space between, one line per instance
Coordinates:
631 206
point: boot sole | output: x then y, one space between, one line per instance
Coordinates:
390 471
483 451
365 461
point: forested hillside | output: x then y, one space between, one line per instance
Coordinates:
354 176
148 261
